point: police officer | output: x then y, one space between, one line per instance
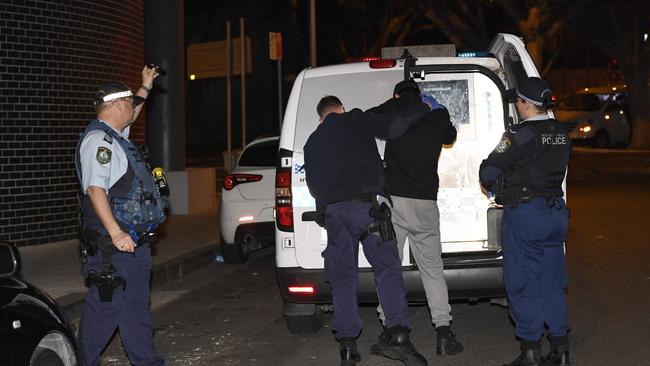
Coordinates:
525 172
345 174
412 172
120 207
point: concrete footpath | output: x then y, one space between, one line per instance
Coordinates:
186 244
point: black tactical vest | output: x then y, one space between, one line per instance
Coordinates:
541 174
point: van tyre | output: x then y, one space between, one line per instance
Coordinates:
303 318
233 253
601 139
45 357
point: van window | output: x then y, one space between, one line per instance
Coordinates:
361 88
262 154
514 68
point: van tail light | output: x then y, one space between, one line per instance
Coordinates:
382 64
304 290
231 180
283 204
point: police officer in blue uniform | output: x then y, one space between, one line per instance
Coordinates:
120 209
345 174
525 172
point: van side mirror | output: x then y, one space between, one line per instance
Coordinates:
9 260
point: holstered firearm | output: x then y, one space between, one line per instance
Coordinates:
106 282
383 222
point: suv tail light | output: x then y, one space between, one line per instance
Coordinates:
283 204
231 180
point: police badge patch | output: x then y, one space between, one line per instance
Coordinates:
103 155
503 145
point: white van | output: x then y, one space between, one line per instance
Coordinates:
473 89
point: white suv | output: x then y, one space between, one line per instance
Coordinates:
473 88
246 210
597 115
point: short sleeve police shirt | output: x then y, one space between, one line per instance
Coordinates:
103 161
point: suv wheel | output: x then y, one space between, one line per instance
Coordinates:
233 253
45 357
601 139
303 318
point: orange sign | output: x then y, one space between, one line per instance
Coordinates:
275 45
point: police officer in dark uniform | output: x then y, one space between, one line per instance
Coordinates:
525 172
121 207
345 174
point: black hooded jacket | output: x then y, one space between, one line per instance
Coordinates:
412 159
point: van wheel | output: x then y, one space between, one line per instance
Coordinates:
45 357
601 139
303 318
233 253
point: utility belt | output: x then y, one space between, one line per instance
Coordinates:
513 197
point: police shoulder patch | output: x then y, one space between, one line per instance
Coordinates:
103 155
503 145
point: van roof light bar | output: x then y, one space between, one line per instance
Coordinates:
433 50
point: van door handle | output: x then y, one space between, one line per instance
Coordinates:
309 216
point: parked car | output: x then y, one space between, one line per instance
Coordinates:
247 200
33 330
598 116
472 86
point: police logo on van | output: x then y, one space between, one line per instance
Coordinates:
503 145
103 155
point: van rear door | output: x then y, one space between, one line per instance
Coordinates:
472 91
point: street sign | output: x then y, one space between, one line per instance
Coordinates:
208 59
275 46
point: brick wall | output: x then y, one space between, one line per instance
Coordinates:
53 56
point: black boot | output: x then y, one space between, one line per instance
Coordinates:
446 343
395 344
349 354
530 354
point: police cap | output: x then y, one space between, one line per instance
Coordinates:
533 90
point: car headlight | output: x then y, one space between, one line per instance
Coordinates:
585 128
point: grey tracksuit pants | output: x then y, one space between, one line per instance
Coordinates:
419 220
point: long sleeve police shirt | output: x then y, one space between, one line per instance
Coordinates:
412 159
341 157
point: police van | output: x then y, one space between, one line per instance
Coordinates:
472 86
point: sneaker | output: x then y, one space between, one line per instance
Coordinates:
382 343
556 358
349 354
448 345
529 357
398 347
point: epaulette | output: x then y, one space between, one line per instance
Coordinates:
108 138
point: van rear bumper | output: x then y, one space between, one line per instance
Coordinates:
464 281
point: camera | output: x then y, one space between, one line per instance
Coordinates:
158 69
